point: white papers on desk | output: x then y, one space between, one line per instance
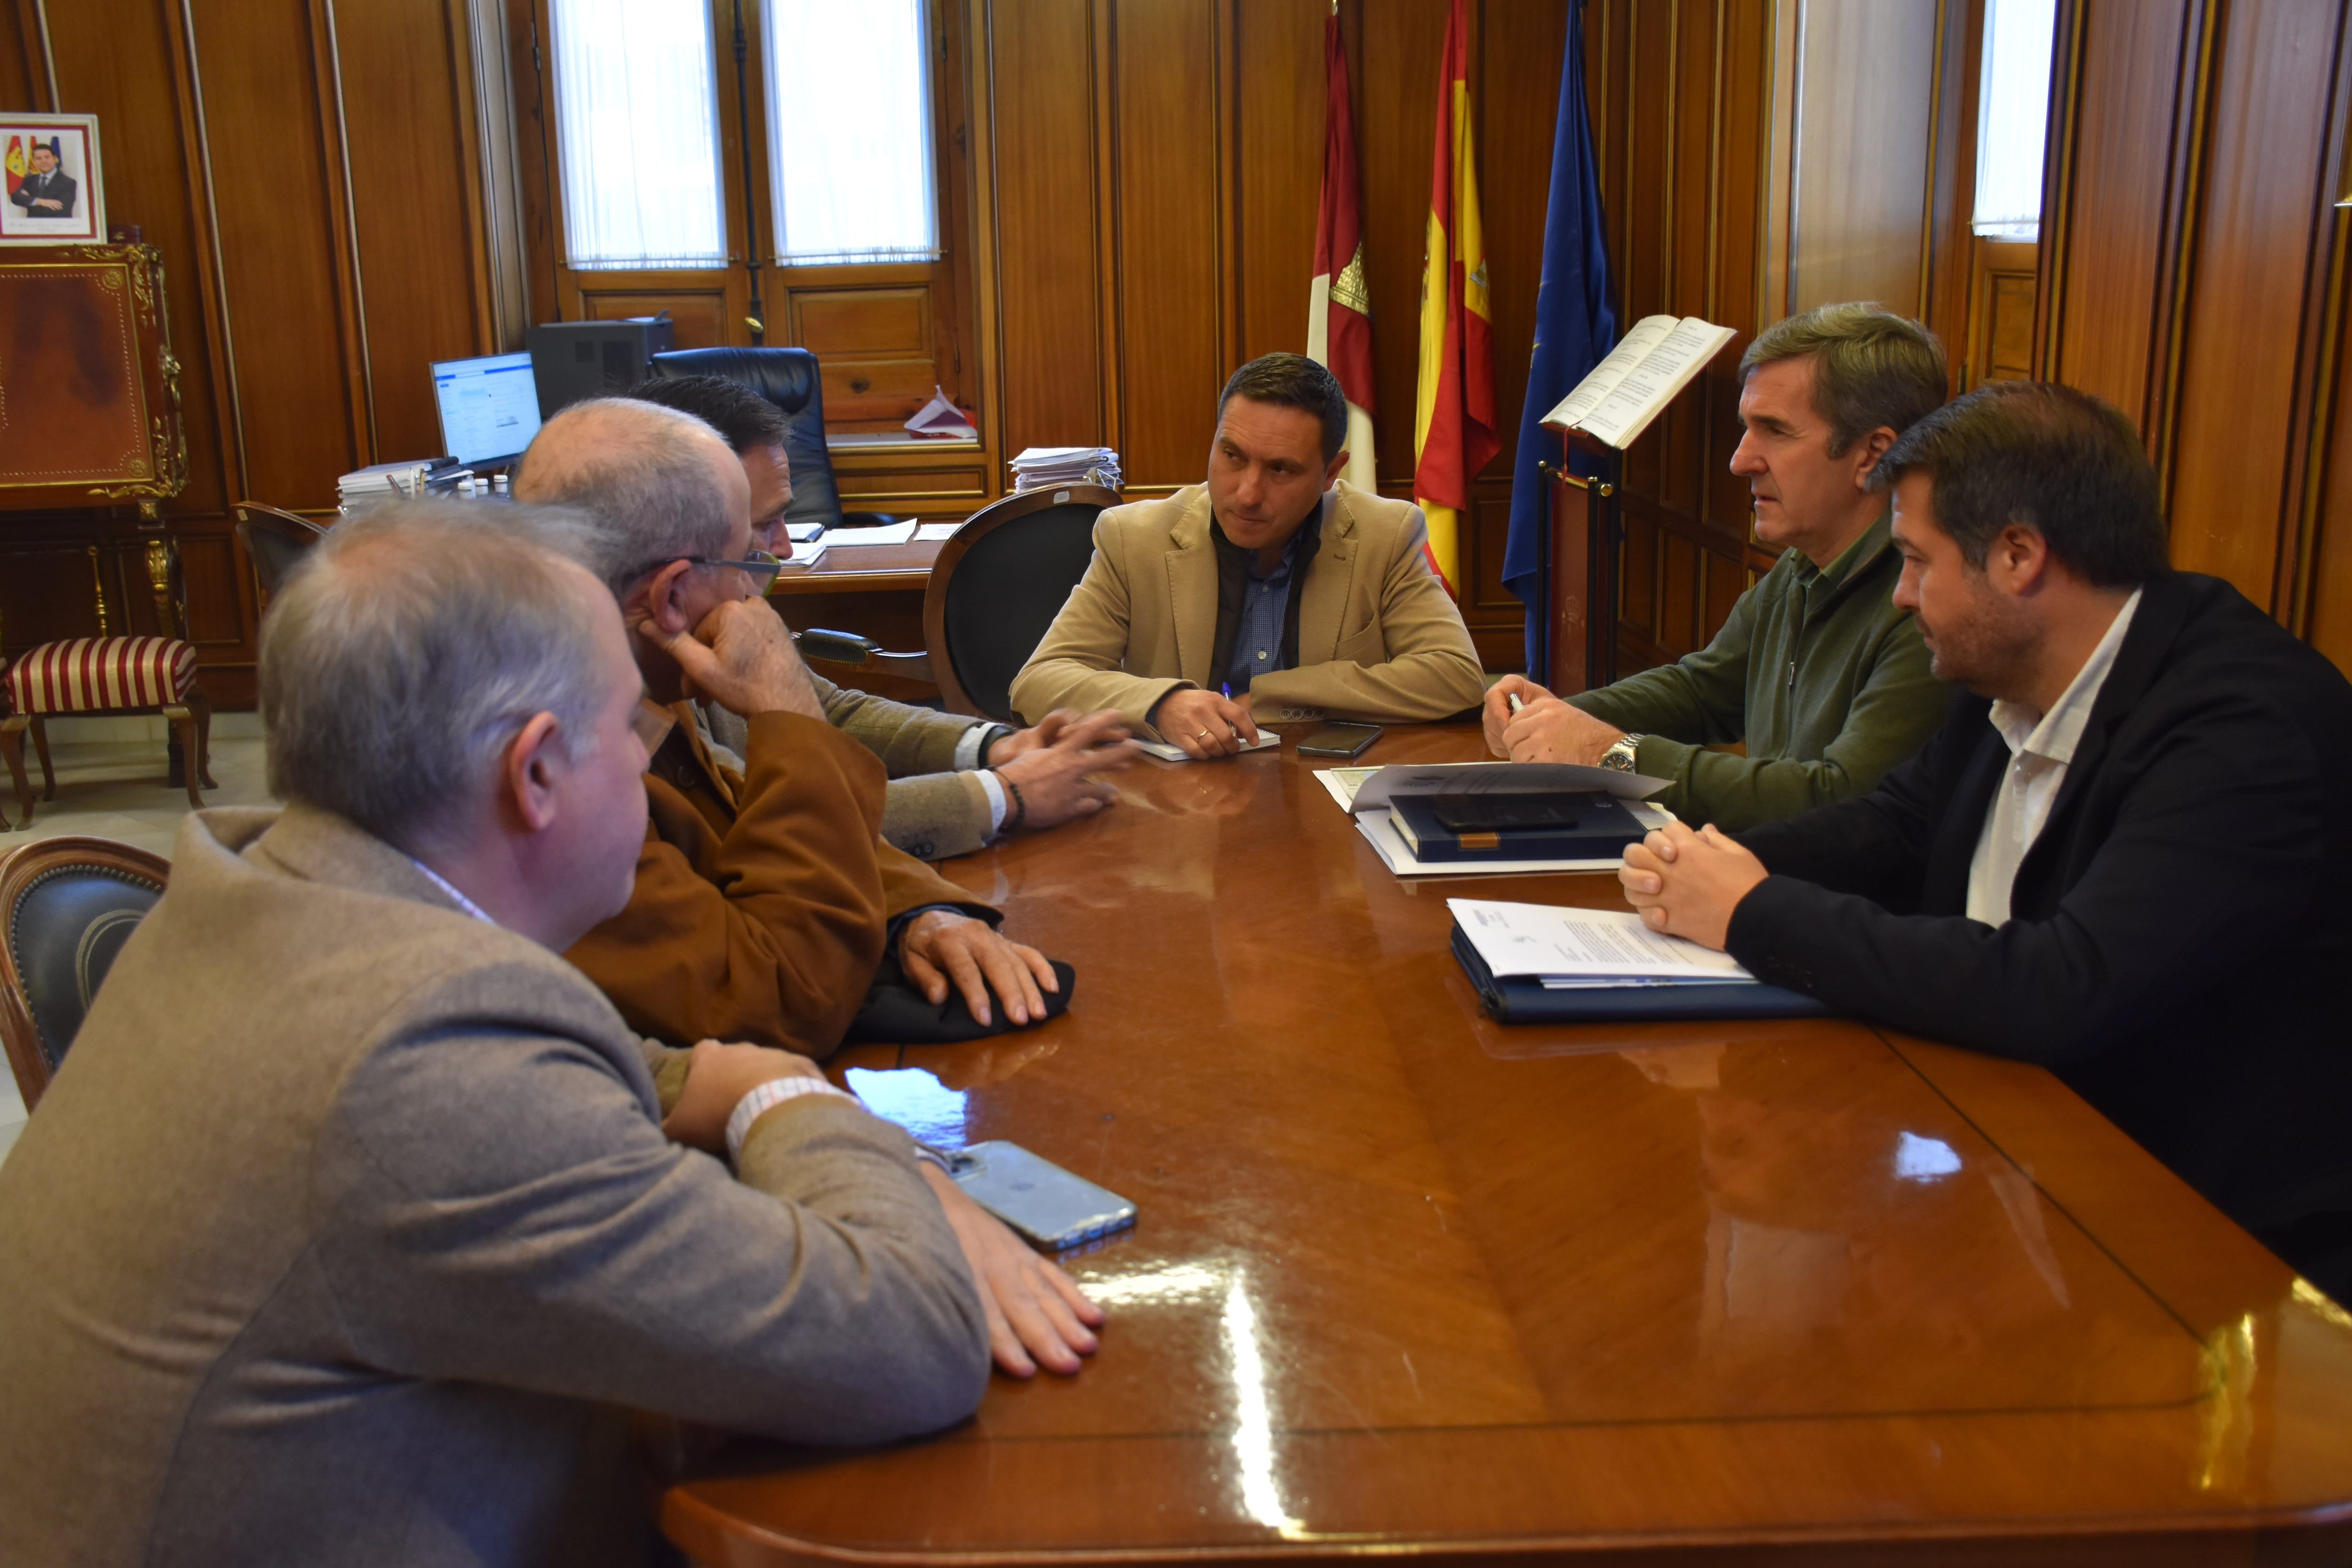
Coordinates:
1043 467
932 532
804 556
801 532
887 533
1379 828
1170 753
1586 949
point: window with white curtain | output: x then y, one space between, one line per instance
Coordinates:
849 131
2013 108
637 105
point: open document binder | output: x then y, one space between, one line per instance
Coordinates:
1533 964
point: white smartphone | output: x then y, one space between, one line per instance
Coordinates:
1049 1205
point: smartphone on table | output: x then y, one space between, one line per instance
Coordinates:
1052 1207
1340 741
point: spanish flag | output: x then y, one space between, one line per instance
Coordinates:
1453 407
16 164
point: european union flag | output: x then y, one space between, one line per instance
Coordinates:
1575 329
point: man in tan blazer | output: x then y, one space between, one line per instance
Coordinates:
1273 592
355 1216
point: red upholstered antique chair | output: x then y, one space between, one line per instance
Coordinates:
108 675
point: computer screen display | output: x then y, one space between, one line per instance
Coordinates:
490 407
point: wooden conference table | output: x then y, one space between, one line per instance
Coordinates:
1407 1280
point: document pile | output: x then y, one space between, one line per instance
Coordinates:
1537 963
1459 819
365 487
1042 468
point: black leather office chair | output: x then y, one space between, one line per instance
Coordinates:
997 586
788 378
67 906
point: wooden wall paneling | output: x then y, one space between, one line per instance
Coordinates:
2114 196
24 58
2324 601
1277 171
1951 250
1394 70
1166 211
2266 205
1736 252
1050 368
424 264
284 271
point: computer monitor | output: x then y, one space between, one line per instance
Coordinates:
490 407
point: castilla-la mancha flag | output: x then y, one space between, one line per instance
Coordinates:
1453 407
1339 305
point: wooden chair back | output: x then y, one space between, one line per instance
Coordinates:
996 587
274 541
67 906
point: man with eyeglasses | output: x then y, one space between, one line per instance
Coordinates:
957 784
765 899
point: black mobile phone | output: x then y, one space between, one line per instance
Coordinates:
1340 741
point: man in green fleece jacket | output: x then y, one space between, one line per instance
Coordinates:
1816 670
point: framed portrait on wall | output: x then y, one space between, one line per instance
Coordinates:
54 194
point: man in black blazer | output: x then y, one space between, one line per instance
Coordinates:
46 192
2129 856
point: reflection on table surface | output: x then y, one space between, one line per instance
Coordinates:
1405 1276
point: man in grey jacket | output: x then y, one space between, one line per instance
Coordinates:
947 770
355 1214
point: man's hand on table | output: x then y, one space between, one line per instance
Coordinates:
741 657
1036 1314
939 947
1054 763
718 1076
1687 883
1205 723
1544 729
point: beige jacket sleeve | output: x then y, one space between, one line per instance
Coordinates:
1410 662
1083 660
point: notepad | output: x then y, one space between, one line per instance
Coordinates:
1169 754
887 533
1569 948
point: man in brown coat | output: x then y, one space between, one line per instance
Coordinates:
765 898
355 1214
1272 592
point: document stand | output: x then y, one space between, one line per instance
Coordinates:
1577 564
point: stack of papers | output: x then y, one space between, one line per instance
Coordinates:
365 487
804 556
1041 468
1586 949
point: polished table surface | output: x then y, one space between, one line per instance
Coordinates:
1406 1280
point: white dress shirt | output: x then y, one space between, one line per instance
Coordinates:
2040 747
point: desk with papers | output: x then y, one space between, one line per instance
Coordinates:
1406 1278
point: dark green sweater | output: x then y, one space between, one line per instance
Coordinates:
1816 670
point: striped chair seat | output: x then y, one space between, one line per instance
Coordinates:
91 675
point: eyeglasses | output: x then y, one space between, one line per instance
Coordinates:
651 725
758 566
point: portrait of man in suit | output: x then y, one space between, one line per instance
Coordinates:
47 192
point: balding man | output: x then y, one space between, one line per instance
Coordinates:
354 1219
764 899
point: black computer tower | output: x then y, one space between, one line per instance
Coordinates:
573 360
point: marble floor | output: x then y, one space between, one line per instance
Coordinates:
110 786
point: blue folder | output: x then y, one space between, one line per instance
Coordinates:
1524 1000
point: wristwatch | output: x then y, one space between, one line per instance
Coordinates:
1620 754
